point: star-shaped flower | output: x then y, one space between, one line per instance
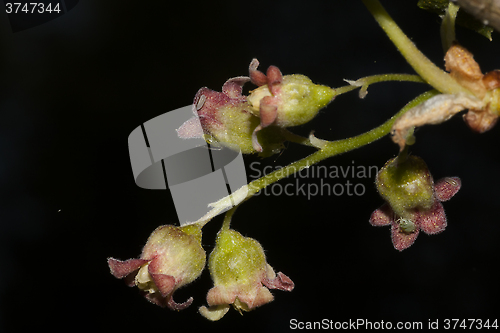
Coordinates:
404 230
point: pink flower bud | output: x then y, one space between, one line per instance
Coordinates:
226 120
172 257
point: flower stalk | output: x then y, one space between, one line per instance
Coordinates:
332 148
432 74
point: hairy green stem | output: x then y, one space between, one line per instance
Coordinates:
227 218
448 26
432 74
332 148
292 137
364 82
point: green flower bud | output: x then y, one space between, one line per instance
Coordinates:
241 276
284 101
406 185
236 260
297 98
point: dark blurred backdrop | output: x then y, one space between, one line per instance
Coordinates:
72 89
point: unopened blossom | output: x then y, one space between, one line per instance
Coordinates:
284 101
241 276
171 258
413 200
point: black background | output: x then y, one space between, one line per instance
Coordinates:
72 90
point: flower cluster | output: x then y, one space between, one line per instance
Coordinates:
173 257
255 123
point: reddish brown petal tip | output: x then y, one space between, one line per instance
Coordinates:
382 216
234 86
268 111
280 282
402 240
258 78
274 77
164 283
121 269
172 305
447 187
434 220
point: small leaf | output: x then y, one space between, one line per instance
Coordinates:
434 6
468 21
